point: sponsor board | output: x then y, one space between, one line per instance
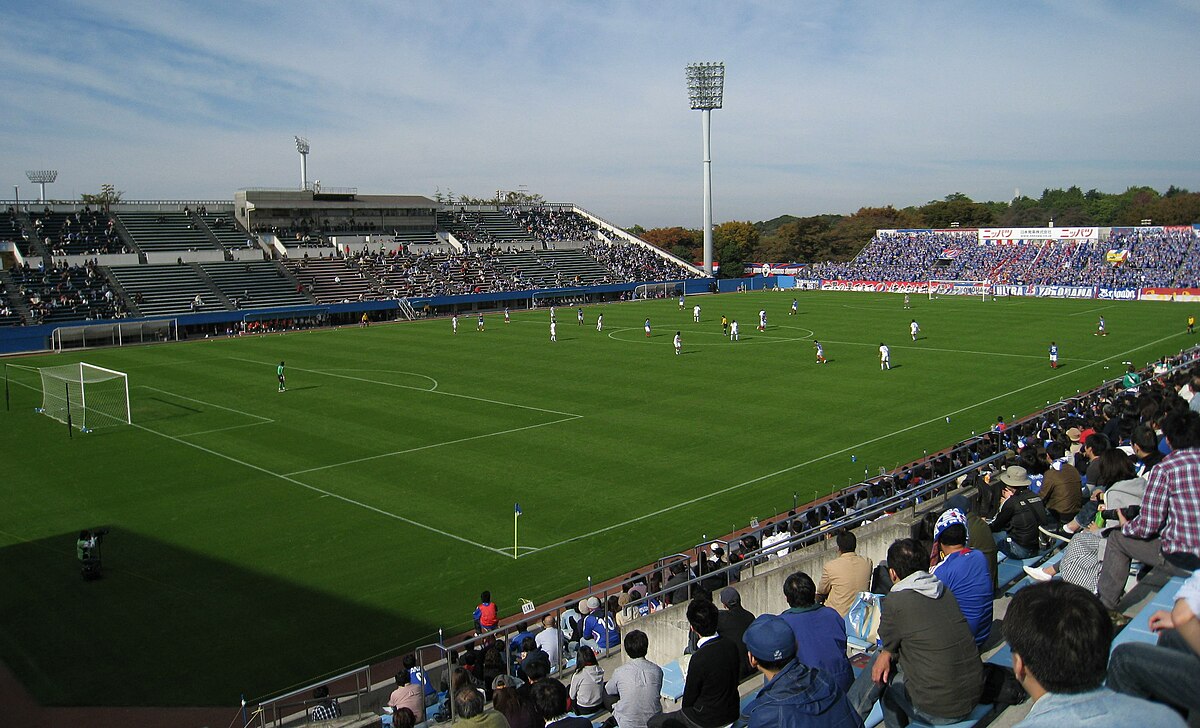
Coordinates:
875 286
1190 295
1072 233
1117 294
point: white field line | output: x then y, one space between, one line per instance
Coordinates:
206 404
324 492
315 489
416 389
433 445
223 429
819 458
958 351
1091 310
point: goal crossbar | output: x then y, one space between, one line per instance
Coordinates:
85 395
983 289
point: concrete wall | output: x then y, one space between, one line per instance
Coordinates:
762 587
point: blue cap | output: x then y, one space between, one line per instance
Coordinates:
770 638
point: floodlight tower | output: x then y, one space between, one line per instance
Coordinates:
302 147
42 177
706 88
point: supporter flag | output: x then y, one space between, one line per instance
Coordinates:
951 253
1117 257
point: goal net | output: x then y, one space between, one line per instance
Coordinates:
982 289
658 290
86 396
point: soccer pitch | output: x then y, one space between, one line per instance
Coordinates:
263 539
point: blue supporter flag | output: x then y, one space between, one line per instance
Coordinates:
517 508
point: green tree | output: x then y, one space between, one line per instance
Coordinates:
108 195
733 242
955 208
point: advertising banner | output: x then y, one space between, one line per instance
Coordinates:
989 235
1190 295
1117 294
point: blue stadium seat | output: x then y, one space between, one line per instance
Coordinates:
1138 630
672 686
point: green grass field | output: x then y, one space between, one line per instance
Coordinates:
260 540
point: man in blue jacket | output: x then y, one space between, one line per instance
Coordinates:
819 631
795 695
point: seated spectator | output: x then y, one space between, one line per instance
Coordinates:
965 572
407 695
485 616
732 621
636 685
1062 486
979 536
587 684
1166 533
550 702
1168 672
795 695
418 676
550 641
326 708
1060 637
507 701
937 675
599 628
468 710
820 631
1021 513
844 577
710 688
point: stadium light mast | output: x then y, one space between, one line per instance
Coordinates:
303 147
42 177
706 89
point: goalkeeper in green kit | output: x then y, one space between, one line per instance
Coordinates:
282 379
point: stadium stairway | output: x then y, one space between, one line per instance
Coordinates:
9 295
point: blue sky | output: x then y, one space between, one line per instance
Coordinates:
828 105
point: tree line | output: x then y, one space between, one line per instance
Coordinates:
788 239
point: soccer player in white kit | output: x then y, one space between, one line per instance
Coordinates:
696 314
907 303
506 314
600 322
733 330
885 357
914 328
762 319
678 344
553 330
820 351
454 323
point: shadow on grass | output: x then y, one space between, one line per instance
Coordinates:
172 627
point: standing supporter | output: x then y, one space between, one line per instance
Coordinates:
794 695
936 676
636 685
1166 533
844 577
820 631
710 689
1060 636
965 572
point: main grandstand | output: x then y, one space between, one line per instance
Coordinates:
272 258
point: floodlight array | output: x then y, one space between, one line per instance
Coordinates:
706 85
42 176
302 145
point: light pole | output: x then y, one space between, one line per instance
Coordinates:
706 88
42 177
302 147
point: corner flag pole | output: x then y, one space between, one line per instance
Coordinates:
516 515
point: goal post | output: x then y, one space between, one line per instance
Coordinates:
659 290
114 333
85 395
982 289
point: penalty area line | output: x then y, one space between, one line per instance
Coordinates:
819 458
324 492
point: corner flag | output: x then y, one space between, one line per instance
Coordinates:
516 514
517 508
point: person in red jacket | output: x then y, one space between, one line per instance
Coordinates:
486 617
